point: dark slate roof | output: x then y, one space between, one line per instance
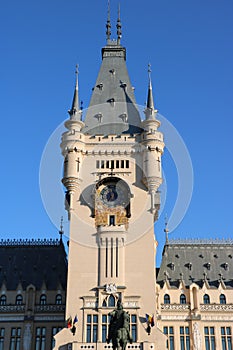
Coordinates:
33 262
112 108
197 261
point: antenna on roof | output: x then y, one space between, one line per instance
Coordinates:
61 232
119 32
108 25
166 228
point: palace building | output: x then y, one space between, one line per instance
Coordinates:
112 175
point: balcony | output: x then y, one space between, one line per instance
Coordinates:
216 307
175 307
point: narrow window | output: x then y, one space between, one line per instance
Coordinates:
170 332
122 164
107 164
15 338
127 163
133 326
55 330
2 336
184 338
117 164
111 301
97 164
206 299
19 300
104 328
112 220
58 300
3 300
43 299
102 164
166 299
182 299
222 299
112 164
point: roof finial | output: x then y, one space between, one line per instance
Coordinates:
166 230
75 109
150 100
119 32
61 232
108 25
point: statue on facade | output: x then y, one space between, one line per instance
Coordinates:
118 330
197 337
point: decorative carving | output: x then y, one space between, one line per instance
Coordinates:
196 337
175 307
110 288
216 307
27 337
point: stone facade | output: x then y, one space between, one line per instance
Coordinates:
32 293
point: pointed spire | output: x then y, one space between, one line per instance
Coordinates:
61 232
75 112
150 100
166 230
108 25
119 32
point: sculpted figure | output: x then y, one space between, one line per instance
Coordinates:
118 330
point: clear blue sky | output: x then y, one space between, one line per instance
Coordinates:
190 47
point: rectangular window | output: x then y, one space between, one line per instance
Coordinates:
102 164
40 338
107 164
112 220
127 164
15 338
226 337
133 327
97 164
92 329
122 164
117 164
209 338
169 331
55 330
112 164
104 328
2 335
184 338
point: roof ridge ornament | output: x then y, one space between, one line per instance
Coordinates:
75 112
119 31
108 25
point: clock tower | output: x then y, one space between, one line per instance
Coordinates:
112 172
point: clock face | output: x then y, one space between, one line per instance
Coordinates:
112 194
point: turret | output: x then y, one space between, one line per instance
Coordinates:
152 142
72 147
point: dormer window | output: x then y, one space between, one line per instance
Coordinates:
3 300
100 86
225 266
208 266
19 300
43 299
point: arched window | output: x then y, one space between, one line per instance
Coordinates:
166 299
58 300
111 301
19 299
3 300
104 303
206 299
43 299
182 299
222 299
